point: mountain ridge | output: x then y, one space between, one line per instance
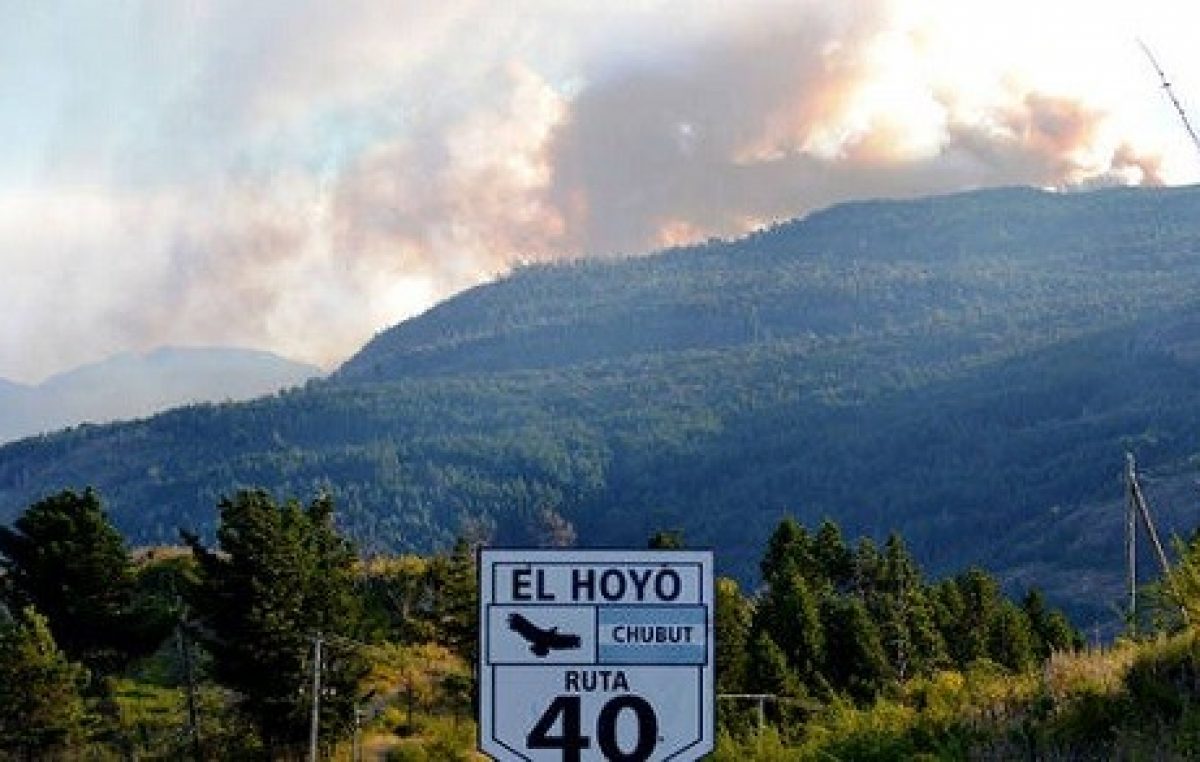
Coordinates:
136 384
1013 216
967 369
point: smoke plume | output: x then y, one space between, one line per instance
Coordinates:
296 177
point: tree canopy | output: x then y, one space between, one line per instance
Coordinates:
280 577
842 620
41 708
65 558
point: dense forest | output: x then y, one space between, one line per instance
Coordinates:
968 370
281 632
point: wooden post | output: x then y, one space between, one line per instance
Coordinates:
185 651
316 700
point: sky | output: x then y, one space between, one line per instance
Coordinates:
298 176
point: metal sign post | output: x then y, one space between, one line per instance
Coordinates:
596 655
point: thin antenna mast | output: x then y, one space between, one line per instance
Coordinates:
1166 86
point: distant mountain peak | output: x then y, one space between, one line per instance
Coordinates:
135 384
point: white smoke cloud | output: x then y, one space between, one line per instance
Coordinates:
298 176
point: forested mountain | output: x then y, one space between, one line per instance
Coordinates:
129 385
967 369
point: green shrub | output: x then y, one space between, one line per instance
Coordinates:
441 740
413 752
1164 678
765 745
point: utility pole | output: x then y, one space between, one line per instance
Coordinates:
1139 502
185 653
1139 509
316 699
1131 541
185 650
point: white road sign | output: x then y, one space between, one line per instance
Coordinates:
596 655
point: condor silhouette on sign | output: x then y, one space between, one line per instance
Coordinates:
590 655
541 642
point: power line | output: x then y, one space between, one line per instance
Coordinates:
1166 86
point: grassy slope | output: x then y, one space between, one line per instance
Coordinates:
1132 701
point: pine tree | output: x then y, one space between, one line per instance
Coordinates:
833 557
789 613
1050 628
282 576
901 608
65 558
456 600
41 709
788 550
1010 641
1181 588
856 661
731 631
980 608
768 670
866 568
949 610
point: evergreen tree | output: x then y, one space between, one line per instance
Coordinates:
41 709
949 611
788 550
833 557
901 608
456 599
980 608
63 557
731 629
282 576
1010 641
856 661
1050 628
768 670
789 613
866 568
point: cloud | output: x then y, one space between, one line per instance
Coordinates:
298 176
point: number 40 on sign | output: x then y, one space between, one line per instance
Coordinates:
595 655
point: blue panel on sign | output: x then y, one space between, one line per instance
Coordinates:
652 635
